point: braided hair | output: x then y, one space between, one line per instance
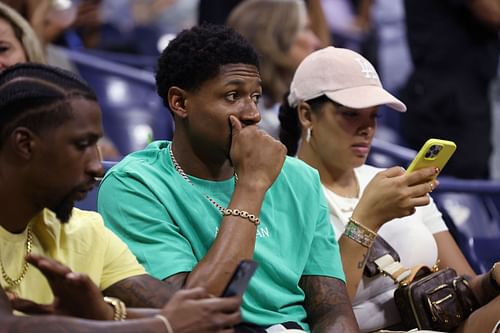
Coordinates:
290 130
37 96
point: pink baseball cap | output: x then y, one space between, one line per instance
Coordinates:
344 76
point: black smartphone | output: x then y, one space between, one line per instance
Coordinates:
240 279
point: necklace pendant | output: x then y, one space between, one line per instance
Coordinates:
347 210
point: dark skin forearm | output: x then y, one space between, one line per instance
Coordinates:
176 282
234 242
483 289
141 291
55 324
58 324
354 257
327 305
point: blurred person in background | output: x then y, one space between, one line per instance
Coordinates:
22 44
208 13
48 19
138 26
454 47
349 23
19 42
281 33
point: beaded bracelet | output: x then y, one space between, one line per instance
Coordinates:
359 233
118 306
165 321
241 213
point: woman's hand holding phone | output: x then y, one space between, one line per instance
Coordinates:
393 193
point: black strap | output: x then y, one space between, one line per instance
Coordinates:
378 249
252 328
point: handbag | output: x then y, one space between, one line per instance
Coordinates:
438 300
427 299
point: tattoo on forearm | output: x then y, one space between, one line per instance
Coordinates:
361 264
137 291
327 304
141 291
176 282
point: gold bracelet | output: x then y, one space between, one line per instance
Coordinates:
118 306
165 322
359 233
241 213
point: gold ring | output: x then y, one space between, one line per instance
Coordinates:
431 185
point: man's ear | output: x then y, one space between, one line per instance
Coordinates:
304 113
23 143
177 101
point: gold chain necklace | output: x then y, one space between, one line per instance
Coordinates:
13 283
181 172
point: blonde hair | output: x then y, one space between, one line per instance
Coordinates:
271 26
23 31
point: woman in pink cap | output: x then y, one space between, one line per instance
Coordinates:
329 121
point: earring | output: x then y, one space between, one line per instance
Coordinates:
308 134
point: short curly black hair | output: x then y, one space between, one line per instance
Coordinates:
197 54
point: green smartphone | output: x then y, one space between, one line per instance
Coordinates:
434 153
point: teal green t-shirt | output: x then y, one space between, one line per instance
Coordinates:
170 225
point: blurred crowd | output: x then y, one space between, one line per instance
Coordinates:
389 33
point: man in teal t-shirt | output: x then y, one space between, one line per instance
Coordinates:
223 191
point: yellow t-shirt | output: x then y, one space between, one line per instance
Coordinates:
83 244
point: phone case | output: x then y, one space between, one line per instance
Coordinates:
434 153
240 279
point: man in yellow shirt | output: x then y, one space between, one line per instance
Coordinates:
49 126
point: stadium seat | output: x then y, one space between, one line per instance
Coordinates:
133 114
146 62
472 216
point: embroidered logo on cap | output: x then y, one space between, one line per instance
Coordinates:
367 69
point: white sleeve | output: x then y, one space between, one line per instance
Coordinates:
432 218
